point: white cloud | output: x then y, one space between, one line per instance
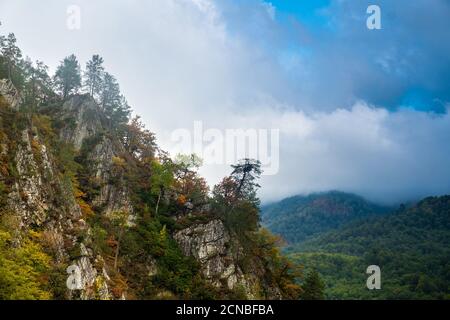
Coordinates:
179 61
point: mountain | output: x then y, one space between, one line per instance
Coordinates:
301 217
411 246
92 208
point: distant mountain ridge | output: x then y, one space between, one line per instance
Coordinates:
300 217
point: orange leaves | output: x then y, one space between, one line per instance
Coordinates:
181 199
111 242
35 146
4 171
86 209
138 141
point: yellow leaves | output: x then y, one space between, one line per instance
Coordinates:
119 218
86 209
35 146
44 125
78 193
99 284
35 235
4 237
23 269
119 162
163 234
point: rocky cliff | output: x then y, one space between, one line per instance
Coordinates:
67 174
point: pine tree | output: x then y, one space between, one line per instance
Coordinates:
121 114
11 53
113 102
68 76
110 93
313 288
38 84
94 75
245 173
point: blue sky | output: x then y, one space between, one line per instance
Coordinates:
404 65
359 110
306 11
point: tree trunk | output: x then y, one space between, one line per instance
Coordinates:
157 202
116 257
10 71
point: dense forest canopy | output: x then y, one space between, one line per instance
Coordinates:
410 245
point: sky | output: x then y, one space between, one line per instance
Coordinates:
357 110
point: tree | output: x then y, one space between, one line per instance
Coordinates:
112 101
235 200
266 246
38 84
161 179
225 192
11 53
94 75
188 162
121 114
245 173
68 76
23 269
313 288
191 188
138 141
119 220
110 93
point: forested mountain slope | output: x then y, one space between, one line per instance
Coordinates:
299 217
411 246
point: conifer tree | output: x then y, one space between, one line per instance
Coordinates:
94 75
313 288
245 173
68 76
11 53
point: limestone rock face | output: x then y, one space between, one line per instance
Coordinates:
82 119
94 284
41 196
112 197
217 251
38 194
10 93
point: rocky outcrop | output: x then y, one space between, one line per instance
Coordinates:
38 194
94 283
41 196
112 196
82 120
10 93
217 252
